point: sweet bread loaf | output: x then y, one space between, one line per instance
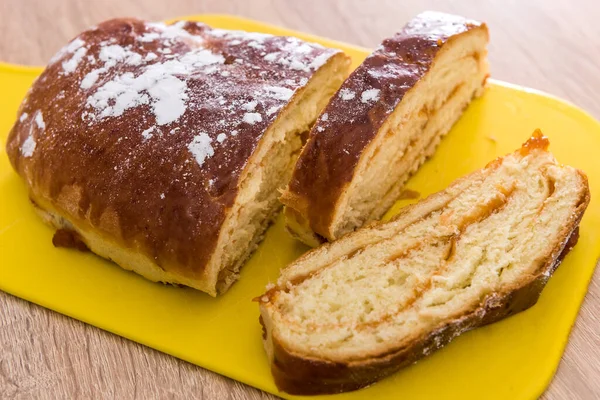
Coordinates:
162 147
381 125
353 311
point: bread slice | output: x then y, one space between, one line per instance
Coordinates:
164 147
353 311
383 123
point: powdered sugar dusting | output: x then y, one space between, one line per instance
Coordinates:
68 49
239 36
296 55
115 53
201 148
149 37
252 118
278 92
148 133
347 94
221 137
70 65
304 48
369 95
90 79
167 32
319 61
273 110
250 106
23 117
39 120
256 45
28 146
158 85
111 55
387 70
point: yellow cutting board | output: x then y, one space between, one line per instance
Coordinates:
513 359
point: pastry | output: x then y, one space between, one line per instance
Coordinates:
162 147
383 123
351 312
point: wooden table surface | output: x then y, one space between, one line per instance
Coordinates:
549 45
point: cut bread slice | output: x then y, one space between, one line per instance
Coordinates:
383 123
268 171
353 311
164 147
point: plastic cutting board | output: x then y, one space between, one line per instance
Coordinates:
513 359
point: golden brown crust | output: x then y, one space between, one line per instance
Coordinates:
298 375
327 163
98 139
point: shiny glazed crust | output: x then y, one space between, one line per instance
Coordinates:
139 134
346 127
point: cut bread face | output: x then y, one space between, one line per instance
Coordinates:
351 312
268 171
164 147
405 96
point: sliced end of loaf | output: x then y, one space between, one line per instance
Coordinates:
267 172
413 131
351 312
407 137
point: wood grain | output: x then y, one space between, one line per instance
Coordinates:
549 45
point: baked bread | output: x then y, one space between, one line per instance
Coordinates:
163 147
382 124
353 311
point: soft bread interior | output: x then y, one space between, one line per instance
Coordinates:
268 170
412 132
384 287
